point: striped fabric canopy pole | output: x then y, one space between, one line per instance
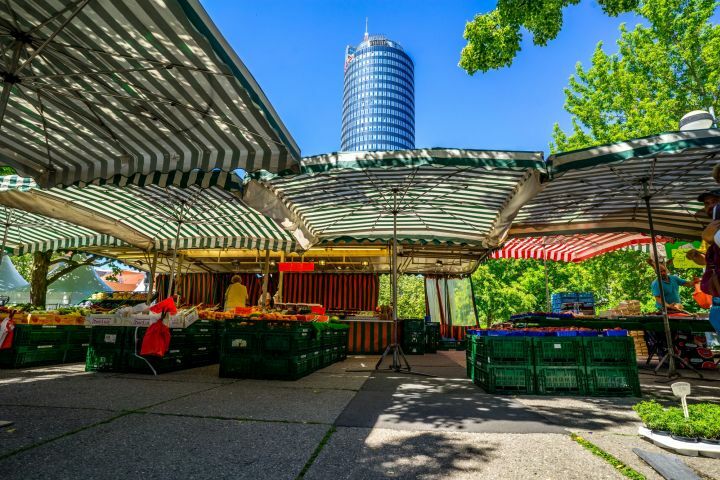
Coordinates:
450 197
573 248
97 91
600 189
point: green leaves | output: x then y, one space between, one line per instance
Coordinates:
494 37
660 72
704 421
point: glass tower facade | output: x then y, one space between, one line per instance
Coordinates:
379 97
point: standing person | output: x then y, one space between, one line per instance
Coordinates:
235 295
671 288
711 259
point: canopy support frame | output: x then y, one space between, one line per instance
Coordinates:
670 355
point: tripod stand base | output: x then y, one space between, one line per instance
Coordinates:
675 373
397 355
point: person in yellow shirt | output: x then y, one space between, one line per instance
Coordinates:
235 295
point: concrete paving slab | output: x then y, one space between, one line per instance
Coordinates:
334 381
206 374
703 390
359 453
161 447
621 446
35 424
91 391
469 412
250 400
587 414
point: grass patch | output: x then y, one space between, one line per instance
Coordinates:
621 467
316 453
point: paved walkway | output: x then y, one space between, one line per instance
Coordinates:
338 423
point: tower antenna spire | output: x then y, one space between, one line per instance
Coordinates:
366 28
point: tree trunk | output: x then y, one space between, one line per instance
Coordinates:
39 281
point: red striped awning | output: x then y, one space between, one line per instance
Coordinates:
573 248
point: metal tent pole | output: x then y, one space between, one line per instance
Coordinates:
4 240
174 260
670 355
547 280
153 271
266 278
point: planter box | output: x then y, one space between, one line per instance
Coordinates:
682 447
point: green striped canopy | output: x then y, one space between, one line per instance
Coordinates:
149 217
29 232
451 197
94 91
600 189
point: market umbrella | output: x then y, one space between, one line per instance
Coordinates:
93 91
571 248
439 196
204 214
647 185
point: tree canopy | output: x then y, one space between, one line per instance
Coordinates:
493 38
660 72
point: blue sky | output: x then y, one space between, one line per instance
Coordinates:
295 51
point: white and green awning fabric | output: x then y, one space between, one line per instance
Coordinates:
601 189
444 196
29 232
97 90
155 217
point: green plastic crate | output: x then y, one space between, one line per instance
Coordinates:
79 334
171 361
108 336
432 337
414 348
289 368
27 356
558 351
76 353
104 359
239 366
27 335
568 380
240 343
470 367
327 357
510 379
613 381
609 351
413 325
286 342
314 360
504 350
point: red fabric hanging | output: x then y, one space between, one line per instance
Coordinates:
167 305
209 288
156 341
353 291
7 333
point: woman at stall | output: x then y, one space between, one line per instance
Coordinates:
235 295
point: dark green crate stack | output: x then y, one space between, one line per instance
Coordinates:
35 345
279 349
503 366
432 337
117 349
598 366
414 338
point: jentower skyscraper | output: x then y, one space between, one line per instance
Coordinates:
379 97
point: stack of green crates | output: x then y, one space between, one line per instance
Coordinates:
279 349
432 337
503 366
598 366
117 349
414 336
46 345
